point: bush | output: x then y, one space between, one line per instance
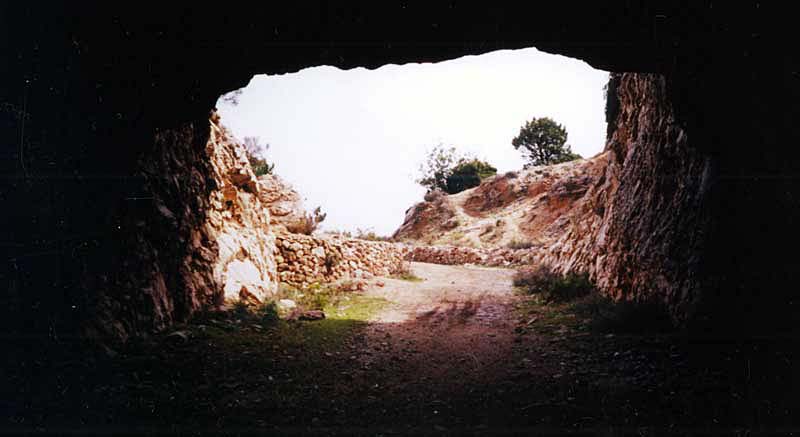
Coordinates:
468 174
403 271
553 286
268 313
308 223
261 169
255 151
447 170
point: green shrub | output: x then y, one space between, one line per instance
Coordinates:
255 152
468 174
241 308
447 170
553 286
261 169
268 313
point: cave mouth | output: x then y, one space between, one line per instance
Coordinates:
83 90
352 141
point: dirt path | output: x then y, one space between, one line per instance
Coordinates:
453 328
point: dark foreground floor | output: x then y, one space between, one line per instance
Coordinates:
232 374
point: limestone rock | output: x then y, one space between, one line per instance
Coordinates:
284 203
286 304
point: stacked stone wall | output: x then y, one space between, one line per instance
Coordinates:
303 260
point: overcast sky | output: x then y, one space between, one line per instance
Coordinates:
351 141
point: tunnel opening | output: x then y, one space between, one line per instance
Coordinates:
103 105
347 136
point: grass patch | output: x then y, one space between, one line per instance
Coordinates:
403 272
553 286
408 277
258 328
571 300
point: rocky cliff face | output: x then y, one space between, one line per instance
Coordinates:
283 201
196 235
637 229
628 216
239 222
159 253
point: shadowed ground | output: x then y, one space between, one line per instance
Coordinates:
456 353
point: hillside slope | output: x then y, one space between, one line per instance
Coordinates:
530 207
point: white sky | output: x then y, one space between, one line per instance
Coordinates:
351 141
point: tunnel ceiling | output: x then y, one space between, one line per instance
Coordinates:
176 60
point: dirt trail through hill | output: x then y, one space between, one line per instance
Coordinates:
454 328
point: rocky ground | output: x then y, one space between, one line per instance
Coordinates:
456 352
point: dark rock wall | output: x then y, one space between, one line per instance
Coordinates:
653 223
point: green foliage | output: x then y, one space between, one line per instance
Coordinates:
241 308
437 166
468 174
543 142
553 286
268 313
265 313
410 277
446 170
255 152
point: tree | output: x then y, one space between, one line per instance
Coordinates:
447 170
255 154
543 142
468 174
437 166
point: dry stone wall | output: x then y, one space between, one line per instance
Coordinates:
452 255
303 260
